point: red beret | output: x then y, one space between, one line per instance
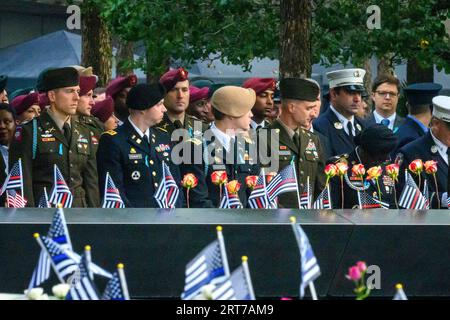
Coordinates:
43 100
196 94
23 102
260 84
120 83
104 109
87 84
172 77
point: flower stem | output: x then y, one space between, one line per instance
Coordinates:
187 197
419 181
437 192
395 196
379 192
342 191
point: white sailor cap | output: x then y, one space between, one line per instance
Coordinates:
441 108
351 78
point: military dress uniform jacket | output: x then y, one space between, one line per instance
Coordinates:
308 158
206 194
95 126
135 165
425 149
408 132
339 142
351 183
194 127
41 144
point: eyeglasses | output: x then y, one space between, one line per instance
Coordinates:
386 93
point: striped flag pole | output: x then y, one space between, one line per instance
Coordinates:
106 187
296 182
39 241
223 251
21 177
268 206
247 277
312 288
88 256
123 281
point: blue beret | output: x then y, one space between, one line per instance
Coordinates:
421 93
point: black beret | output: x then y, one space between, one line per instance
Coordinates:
58 78
3 82
299 89
378 139
144 96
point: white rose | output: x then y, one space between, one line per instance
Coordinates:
34 294
60 290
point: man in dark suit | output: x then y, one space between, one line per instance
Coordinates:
340 123
385 94
265 89
434 145
134 153
419 96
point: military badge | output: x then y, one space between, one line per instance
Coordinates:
358 127
434 149
136 175
132 150
94 140
110 132
338 125
18 134
133 156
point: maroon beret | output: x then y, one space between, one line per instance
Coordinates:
23 102
260 84
43 100
87 83
196 94
120 83
104 109
172 77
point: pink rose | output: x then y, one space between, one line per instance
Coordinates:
361 266
416 166
354 273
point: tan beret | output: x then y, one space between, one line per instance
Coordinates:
233 101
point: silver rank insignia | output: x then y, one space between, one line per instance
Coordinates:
338 125
434 149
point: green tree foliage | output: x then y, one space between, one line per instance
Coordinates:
411 29
230 30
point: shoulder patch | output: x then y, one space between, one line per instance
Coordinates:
18 134
110 132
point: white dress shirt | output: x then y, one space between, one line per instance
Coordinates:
344 121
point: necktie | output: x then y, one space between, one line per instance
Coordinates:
296 139
385 122
67 132
350 129
145 138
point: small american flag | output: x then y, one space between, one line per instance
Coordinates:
14 179
43 201
259 199
284 181
366 201
114 289
14 199
411 197
168 191
112 197
230 201
323 201
82 288
61 193
305 196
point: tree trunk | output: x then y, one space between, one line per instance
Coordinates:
368 76
385 65
295 33
124 57
416 73
96 43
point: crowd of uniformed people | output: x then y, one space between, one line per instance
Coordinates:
130 130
